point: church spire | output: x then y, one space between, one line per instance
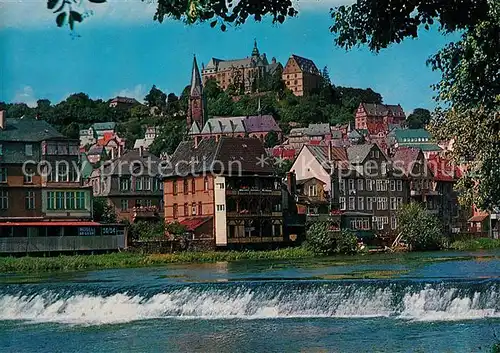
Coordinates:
255 51
196 86
196 108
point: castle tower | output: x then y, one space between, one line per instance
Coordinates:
196 108
255 51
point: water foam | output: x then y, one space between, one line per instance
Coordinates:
243 302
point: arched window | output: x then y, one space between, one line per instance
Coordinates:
205 184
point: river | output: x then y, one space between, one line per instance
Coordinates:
430 302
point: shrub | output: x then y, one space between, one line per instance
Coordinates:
419 228
322 241
147 230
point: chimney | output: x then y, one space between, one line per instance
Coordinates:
3 116
141 151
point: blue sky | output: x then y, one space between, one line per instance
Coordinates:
121 51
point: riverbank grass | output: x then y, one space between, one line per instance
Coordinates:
475 244
130 260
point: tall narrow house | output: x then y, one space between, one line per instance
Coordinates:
196 108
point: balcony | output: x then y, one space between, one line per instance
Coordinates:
424 192
253 191
253 240
247 214
145 212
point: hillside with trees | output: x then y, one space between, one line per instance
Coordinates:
330 104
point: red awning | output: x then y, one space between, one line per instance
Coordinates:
49 224
193 223
478 218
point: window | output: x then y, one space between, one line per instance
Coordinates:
73 174
28 176
394 204
193 209
62 173
74 150
147 183
60 200
394 222
399 202
28 149
186 209
369 185
62 149
124 184
384 185
313 191
4 199
70 200
393 185
30 200
342 186
205 184
193 186
381 203
3 175
369 203
51 200
366 224
342 203
361 203
220 208
200 208
352 203
80 200
399 184
352 185
377 154
379 185
174 187
138 184
360 184
124 205
186 187
220 186
175 211
148 203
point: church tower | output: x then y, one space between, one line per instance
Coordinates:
196 107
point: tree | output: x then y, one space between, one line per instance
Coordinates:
321 240
419 228
469 86
171 135
72 131
102 211
326 77
419 118
271 139
212 89
156 98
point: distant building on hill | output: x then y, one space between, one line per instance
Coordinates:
301 75
243 72
123 102
379 118
257 126
149 137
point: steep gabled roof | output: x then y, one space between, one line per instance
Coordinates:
229 155
261 123
358 153
306 65
196 85
380 110
28 130
405 158
195 129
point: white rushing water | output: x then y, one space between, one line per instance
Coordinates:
424 304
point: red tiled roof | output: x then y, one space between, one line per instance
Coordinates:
194 223
443 169
479 218
50 224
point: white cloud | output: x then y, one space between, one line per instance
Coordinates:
34 13
138 92
25 95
